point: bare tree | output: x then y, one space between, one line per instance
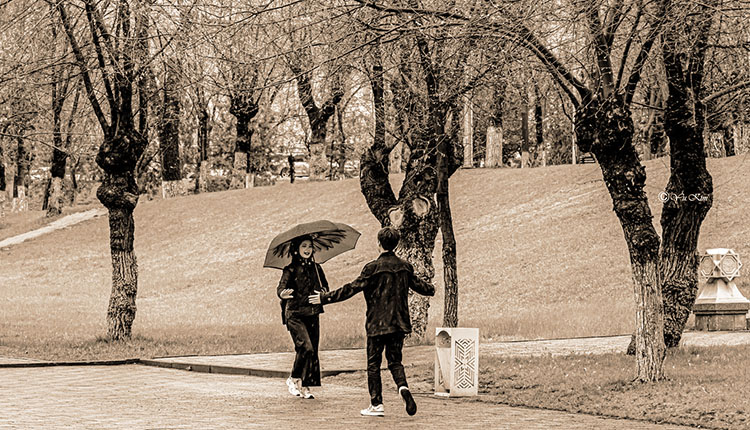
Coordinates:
120 52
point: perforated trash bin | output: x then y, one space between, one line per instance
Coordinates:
456 361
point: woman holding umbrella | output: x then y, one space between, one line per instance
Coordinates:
303 274
303 247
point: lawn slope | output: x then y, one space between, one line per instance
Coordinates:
540 254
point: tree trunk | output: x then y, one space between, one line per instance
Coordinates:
54 195
494 149
468 134
741 137
539 126
244 107
21 179
204 129
119 194
689 192
525 141
317 116
169 135
414 213
3 183
449 159
241 159
606 129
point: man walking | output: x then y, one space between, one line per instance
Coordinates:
385 283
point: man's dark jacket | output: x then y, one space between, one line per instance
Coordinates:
385 283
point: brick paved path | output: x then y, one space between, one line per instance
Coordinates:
139 397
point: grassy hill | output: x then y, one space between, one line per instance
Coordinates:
540 254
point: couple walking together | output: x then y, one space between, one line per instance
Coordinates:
385 283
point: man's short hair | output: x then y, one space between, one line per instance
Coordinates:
388 238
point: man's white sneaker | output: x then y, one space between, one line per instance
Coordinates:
292 384
411 406
307 394
373 411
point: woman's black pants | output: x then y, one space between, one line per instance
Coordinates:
305 331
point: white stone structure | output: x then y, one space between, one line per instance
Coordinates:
720 305
456 361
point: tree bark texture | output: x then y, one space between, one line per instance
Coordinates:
169 133
3 184
204 130
525 140
606 128
449 159
119 194
689 192
539 126
244 108
494 149
21 178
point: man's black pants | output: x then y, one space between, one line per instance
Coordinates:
305 331
393 343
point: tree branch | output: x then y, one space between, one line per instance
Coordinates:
80 59
640 61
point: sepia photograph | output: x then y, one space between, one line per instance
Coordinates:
374 214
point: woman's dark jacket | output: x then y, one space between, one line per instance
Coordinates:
305 277
385 283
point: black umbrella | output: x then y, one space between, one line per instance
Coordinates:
329 239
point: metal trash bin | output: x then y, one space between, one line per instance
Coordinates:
456 361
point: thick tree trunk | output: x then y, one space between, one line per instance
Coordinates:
119 194
689 192
244 108
241 165
494 148
606 129
56 196
417 242
318 160
169 137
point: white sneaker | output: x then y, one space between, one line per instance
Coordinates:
306 393
373 411
292 384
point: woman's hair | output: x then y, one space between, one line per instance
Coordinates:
294 247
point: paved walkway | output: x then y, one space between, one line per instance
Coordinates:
140 397
63 222
144 397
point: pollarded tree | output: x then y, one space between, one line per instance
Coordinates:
111 57
613 62
687 49
431 75
318 113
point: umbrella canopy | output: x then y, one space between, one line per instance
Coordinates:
329 239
